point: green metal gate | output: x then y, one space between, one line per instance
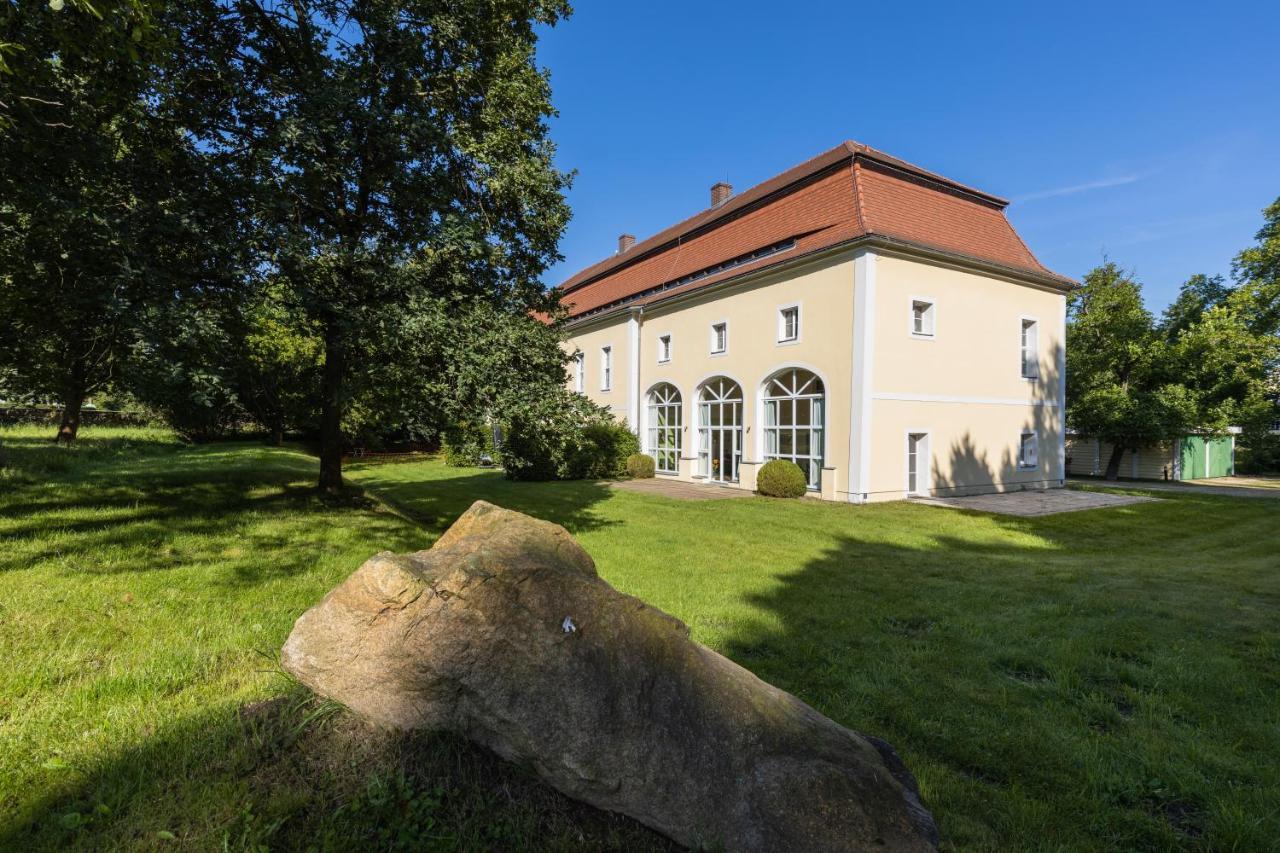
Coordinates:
1220 457
1203 458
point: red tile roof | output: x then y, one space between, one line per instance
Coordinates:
842 195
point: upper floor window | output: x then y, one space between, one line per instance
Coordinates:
606 368
922 318
579 372
719 337
664 348
789 324
1027 451
1030 348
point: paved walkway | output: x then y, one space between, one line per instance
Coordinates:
1037 503
1231 487
680 490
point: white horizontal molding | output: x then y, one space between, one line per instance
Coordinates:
946 398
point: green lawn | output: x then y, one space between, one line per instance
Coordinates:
1098 680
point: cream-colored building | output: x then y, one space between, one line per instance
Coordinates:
880 325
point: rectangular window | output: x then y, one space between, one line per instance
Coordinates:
664 348
917 463
1030 349
719 337
606 368
579 372
1027 451
789 324
922 323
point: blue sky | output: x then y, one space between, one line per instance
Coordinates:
1146 131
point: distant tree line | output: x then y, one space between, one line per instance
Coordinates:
1211 361
327 217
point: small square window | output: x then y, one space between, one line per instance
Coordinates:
664 348
1028 455
922 313
719 337
789 324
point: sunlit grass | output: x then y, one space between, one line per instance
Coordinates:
1107 679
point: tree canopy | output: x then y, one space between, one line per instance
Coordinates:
1204 367
106 205
398 151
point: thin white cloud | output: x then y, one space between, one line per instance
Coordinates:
1081 188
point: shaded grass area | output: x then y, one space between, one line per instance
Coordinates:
146 587
1096 680
1107 679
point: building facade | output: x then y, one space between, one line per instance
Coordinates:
881 326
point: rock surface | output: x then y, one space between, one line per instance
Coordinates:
503 632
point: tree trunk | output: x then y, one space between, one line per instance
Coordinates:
1113 464
331 409
72 404
277 437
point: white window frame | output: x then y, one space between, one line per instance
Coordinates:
725 349
1035 447
580 371
707 398
924 478
1022 347
670 347
783 340
665 442
931 317
606 367
774 393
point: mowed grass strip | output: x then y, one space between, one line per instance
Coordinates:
1106 679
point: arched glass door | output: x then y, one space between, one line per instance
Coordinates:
793 412
665 425
720 429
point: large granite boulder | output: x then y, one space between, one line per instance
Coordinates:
504 633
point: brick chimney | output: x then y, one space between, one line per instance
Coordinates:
625 242
720 193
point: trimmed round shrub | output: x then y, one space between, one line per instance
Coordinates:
781 478
640 466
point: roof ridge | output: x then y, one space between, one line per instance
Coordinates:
884 157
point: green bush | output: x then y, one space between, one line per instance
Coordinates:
564 436
606 446
467 445
640 466
781 478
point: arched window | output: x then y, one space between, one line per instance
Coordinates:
793 413
720 429
665 425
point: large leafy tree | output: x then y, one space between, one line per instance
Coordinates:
1117 381
105 204
1132 381
383 134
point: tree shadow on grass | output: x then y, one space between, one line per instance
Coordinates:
1036 695
298 773
249 506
